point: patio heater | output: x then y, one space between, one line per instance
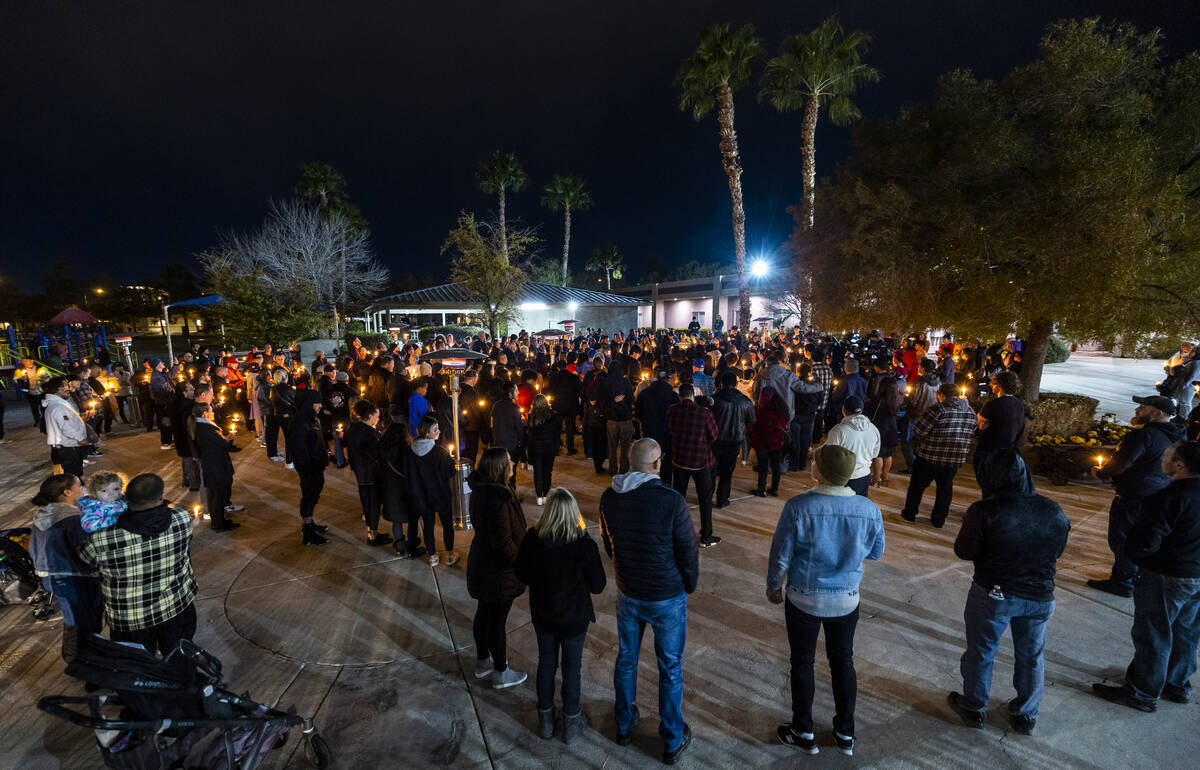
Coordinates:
456 359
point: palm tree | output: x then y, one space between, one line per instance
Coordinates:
719 66
814 69
498 174
607 259
566 193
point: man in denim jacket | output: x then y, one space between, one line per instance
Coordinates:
820 543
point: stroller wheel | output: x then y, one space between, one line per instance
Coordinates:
317 750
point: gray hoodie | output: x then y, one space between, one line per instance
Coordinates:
422 446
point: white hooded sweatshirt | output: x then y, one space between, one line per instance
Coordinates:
858 434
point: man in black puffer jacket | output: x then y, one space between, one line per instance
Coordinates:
649 535
310 456
1014 536
651 410
734 414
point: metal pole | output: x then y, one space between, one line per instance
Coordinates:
137 407
462 517
167 330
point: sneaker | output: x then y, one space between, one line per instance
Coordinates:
1108 586
88 462
1175 696
759 493
909 517
400 548
805 742
434 560
95 453
969 717
845 743
165 446
451 558
289 466
379 539
509 677
231 508
417 552
483 667
624 738
226 527
275 459
1123 697
207 516
709 542
720 504
1021 724
669 757
541 501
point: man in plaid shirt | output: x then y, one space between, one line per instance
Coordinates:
146 570
941 439
693 430
822 374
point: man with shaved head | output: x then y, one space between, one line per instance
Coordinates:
648 533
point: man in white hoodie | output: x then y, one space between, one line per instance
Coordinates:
65 432
858 434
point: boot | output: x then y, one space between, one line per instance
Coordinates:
311 536
546 723
573 726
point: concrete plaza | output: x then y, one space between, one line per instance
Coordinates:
379 649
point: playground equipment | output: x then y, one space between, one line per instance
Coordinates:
72 335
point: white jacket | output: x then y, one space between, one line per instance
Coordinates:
64 426
858 434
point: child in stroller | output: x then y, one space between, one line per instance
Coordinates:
18 580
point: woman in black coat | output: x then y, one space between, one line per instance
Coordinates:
392 447
542 444
180 413
362 441
561 565
499 526
508 426
213 448
306 445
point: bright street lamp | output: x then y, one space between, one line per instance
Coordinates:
759 268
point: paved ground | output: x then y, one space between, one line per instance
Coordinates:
379 649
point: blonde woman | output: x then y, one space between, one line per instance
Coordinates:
561 565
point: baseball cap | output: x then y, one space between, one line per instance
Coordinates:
698 363
1161 403
853 404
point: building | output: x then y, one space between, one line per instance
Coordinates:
675 304
542 306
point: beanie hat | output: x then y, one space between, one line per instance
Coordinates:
835 464
343 376
154 362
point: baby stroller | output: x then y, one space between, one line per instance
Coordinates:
163 708
18 580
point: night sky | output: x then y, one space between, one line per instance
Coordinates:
134 134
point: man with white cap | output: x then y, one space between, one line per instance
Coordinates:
858 434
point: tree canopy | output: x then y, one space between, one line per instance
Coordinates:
322 186
479 264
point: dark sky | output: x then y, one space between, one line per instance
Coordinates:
134 134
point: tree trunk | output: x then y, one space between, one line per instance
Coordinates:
503 231
811 108
566 238
1033 357
608 275
732 164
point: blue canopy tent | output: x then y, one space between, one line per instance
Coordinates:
207 301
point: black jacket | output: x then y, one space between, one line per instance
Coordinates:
562 578
1136 467
362 443
1014 537
304 439
499 526
1166 536
734 413
283 401
392 447
544 438
567 391
508 427
649 535
652 406
613 387
181 415
472 414
428 469
214 455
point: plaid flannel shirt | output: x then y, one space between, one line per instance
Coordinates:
693 429
943 434
822 374
145 580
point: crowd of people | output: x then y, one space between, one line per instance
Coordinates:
658 413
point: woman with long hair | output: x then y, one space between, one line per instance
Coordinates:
561 565
542 443
491 578
766 437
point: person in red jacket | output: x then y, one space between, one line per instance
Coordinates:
766 437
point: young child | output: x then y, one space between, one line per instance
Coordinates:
104 502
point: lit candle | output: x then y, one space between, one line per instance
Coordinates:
195 511
1099 461
908 389
964 391
481 402
233 428
339 427
362 389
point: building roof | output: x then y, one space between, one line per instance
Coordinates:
452 295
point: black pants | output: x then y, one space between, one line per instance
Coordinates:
149 415
802 630
727 456
121 402
217 497
271 435
802 437
372 504
311 484
543 469
569 429
860 485
488 630
704 492
768 458
35 406
470 450
425 519
286 422
165 636
599 434
70 458
550 645
923 474
164 424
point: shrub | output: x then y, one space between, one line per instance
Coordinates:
369 339
461 333
1058 352
1062 414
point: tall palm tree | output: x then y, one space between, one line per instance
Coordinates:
819 68
566 194
498 174
719 66
607 259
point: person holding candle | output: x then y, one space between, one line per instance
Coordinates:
309 458
941 438
362 441
428 468
213 447
1002 423
542 444
508 427
883 404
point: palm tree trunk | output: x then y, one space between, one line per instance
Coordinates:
566 238
608 275
733 170
809 127
503 229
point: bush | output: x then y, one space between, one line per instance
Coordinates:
369 339
461 333
1062 414
1058 352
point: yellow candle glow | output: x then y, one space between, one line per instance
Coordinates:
196 511
1099 461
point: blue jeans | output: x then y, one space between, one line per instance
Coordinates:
1121 515
339 451
668 618
1166 628
986 618
802 431
906 448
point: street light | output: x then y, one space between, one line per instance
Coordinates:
759 268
